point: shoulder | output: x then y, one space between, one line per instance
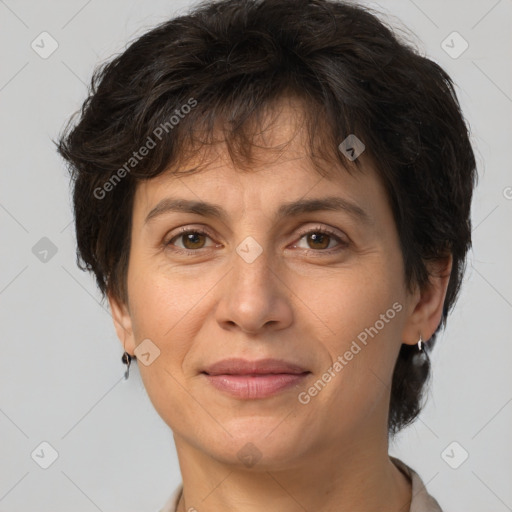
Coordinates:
172 503
421 501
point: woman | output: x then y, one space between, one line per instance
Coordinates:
274 196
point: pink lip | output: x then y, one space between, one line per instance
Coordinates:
254 379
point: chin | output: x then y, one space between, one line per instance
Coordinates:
256 443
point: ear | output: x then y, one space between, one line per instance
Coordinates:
427 304
122 323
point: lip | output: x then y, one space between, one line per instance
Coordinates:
251 380
238 366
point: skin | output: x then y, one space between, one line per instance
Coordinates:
306 307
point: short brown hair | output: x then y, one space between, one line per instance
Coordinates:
234 58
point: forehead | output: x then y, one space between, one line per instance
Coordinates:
281 165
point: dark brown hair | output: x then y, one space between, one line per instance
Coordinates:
229 61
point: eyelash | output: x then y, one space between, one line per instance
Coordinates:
192 252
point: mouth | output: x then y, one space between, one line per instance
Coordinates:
249 380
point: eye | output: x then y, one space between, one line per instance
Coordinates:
320 240
192 240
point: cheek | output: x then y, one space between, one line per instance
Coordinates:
162 301
169 308
160 311
352 302
361 313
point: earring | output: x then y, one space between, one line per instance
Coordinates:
420 342
127 360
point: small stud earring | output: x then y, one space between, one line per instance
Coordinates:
420 343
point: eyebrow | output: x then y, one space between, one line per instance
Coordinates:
291 209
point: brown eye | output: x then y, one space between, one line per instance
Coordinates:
188 240
318 240
321 240
193 240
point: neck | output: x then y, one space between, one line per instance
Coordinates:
356 475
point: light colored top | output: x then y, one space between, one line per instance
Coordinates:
421 501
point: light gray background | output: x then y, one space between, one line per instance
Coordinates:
60 378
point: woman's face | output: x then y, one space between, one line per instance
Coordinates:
265 281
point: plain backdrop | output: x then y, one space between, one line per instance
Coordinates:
61 374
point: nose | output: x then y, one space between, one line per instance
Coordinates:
254 297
